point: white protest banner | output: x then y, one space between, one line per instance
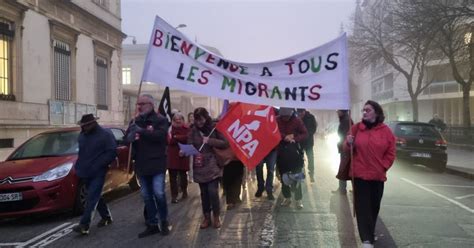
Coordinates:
316 79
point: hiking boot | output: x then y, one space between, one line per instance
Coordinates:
299 204
150 230
216 221
184 195
174 200
105 222
258 193
286 202
230 206
165 228
81 229
270 196
206 222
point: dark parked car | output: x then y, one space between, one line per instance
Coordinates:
39 175
420 143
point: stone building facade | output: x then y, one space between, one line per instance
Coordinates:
58 60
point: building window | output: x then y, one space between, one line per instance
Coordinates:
62 71
102 3
102 77
126 75
6 39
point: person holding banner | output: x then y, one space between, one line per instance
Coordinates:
148 134
374 153
290 161
206 169
178 164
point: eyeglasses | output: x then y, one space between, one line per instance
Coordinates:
142 103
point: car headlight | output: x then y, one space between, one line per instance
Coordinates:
333 138
55 173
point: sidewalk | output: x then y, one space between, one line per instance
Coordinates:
460 162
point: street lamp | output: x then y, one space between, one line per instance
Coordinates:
181 26
134 40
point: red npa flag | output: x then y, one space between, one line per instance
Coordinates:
251 130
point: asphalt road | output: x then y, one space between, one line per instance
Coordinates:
420 208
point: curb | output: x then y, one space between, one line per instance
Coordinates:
458 172
464 147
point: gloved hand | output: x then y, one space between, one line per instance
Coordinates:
133 130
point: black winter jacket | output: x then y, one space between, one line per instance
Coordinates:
149 151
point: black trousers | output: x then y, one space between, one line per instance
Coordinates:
232 181
178 176
210 197
298 190
368 195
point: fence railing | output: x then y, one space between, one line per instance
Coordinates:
459 135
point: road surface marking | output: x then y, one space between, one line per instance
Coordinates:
440 195
55 236
448 185
11 244
464 196
267 233
45 234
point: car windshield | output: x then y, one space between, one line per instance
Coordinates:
49 145
416 130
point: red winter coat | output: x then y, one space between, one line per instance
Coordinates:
374 151
178 135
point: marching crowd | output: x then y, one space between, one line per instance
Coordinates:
369 144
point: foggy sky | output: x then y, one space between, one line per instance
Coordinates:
244 30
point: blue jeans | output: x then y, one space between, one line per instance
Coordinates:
94 199
270 161
153 188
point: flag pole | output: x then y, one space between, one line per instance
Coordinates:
133 122
350 166
212 131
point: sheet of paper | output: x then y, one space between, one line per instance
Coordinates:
188 150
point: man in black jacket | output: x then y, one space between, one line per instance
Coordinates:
148 133
97 149
311 125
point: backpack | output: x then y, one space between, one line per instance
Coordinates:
290 157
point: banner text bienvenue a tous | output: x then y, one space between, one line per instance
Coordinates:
316 79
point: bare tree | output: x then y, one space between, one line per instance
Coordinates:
454 24
382 32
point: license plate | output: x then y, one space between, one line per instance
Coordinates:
11 197
421 155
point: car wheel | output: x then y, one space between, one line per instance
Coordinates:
80 201
134 184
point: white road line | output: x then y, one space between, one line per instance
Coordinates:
447 185
55 236
464 196
45 234
440 195
10 244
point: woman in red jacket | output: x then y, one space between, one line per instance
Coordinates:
374 152
178 165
